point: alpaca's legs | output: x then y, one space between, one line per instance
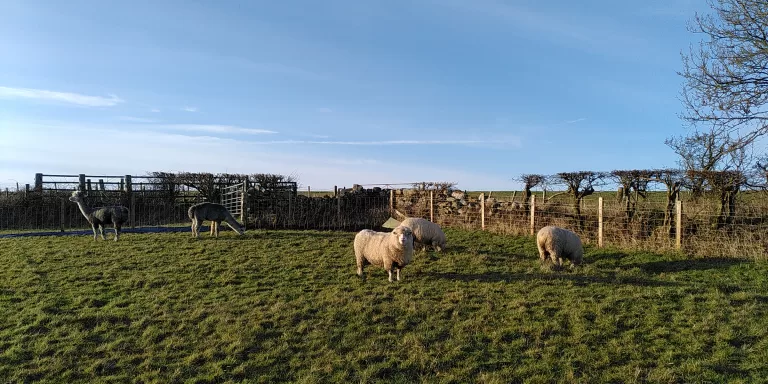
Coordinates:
196 223
117 231
93 226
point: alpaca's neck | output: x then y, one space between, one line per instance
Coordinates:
84 209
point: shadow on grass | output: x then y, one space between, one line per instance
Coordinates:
686 265
494 277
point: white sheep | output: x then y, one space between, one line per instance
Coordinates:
390 250
426 233
558 243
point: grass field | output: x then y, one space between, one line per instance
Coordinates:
286 306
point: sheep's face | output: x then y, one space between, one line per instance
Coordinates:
404 235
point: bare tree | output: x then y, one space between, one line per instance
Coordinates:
634 184
725 185
704 152
673 180
580 185
530 181
726 78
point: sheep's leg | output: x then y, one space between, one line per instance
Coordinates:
101 231
557 260
398 273
359 261
117 231
388 265
194 229
95 234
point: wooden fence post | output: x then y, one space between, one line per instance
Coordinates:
482 211
678 224
39 182
244 205
432 206
88 185
61 213
600 222
101 184
131 200
392 202
533 215
26 190
338 210
81 183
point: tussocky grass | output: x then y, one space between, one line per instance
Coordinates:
274 306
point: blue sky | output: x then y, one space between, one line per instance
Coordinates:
340 92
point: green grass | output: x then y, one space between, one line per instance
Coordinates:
287 306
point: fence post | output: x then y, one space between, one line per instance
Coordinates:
88 185
533 214
131 205
81 187
392 202
39 182
432 206
600 222
26 190
543 195
61 214
101 184
244 205
678 224
338 210
482 211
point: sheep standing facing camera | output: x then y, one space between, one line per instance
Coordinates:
389 250
557 243
426 232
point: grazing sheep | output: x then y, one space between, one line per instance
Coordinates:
558 243
99 217
426 233
390 250
216 213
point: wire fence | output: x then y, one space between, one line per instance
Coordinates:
696 226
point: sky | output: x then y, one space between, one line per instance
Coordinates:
341 92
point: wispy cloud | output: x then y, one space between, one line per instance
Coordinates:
575 120
189 109
213 128
385 142
67 97
136 119
154 110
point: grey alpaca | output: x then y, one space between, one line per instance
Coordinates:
99 217
216 213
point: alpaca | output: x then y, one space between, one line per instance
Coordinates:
101 216
216 213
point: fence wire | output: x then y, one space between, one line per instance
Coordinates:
650 223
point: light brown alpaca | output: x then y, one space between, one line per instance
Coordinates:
215 213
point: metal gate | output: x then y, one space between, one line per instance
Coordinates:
232 197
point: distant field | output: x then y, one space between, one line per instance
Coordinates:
286 306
